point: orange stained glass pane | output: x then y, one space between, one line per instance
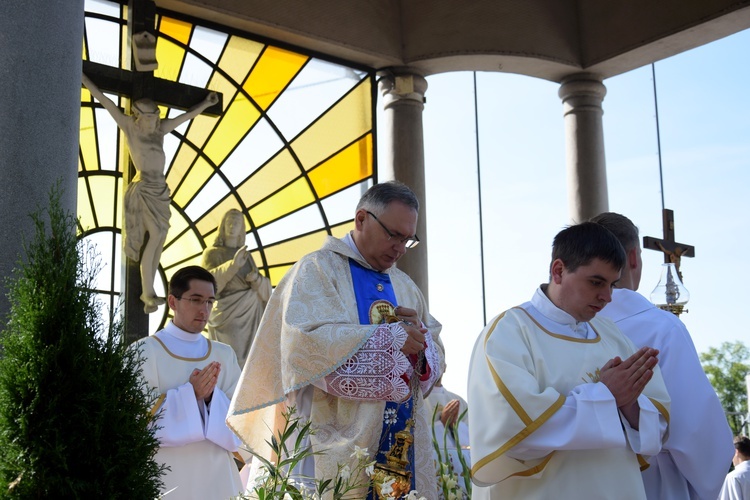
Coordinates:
292 197
239 56
346 168
177 224
275 69
212 218
293 250
276 173
103 190
179 30
183 159
87 140
185 245
276 273
170 56
194 181
237 120
83 209
347 120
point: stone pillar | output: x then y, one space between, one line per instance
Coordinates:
403 102
582 95
40 99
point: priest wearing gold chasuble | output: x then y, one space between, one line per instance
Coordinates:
563 404
347 339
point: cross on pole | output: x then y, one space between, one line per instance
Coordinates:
137 85
672 250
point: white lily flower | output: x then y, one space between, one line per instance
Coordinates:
360 453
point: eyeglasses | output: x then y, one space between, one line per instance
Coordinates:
409 241
198 302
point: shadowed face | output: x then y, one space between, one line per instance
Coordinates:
191 311
585 291
379 249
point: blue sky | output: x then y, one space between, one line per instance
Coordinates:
704 118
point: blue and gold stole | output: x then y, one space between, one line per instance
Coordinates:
375 301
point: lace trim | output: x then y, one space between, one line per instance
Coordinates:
374 372
432 357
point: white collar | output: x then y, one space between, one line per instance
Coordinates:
178 333
549 310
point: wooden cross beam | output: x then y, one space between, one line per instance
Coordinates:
672 250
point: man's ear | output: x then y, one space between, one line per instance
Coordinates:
556 270
172 301
359 218
632 258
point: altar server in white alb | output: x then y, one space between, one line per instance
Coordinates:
195 379
563 405
697 454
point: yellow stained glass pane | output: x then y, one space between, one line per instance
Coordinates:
120 194
279 171
177 224
183 159
272 74
276 273
237 120
172 268
239 56
292 197
185 245
342 229
293 250
210 221
103 194
170 56
200 127
83 209
194 181
349 119
87 139
346 168
179 30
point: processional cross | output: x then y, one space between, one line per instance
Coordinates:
137 85
672 250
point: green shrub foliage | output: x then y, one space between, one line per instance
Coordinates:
75 419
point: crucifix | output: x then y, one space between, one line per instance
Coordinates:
674 295
147 202
672 250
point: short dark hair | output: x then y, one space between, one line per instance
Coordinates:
379 196
180 282
621 226
742 444
578 245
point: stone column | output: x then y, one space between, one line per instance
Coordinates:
403 102
582 95
40 98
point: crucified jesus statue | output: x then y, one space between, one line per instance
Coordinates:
147 195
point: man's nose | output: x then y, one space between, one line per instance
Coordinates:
606 295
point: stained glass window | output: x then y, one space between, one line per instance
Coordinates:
293 149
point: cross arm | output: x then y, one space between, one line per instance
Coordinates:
164 92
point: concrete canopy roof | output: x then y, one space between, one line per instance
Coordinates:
548 39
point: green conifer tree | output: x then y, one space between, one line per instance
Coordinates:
75 420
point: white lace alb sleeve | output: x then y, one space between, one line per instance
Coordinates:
375 371
432 357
